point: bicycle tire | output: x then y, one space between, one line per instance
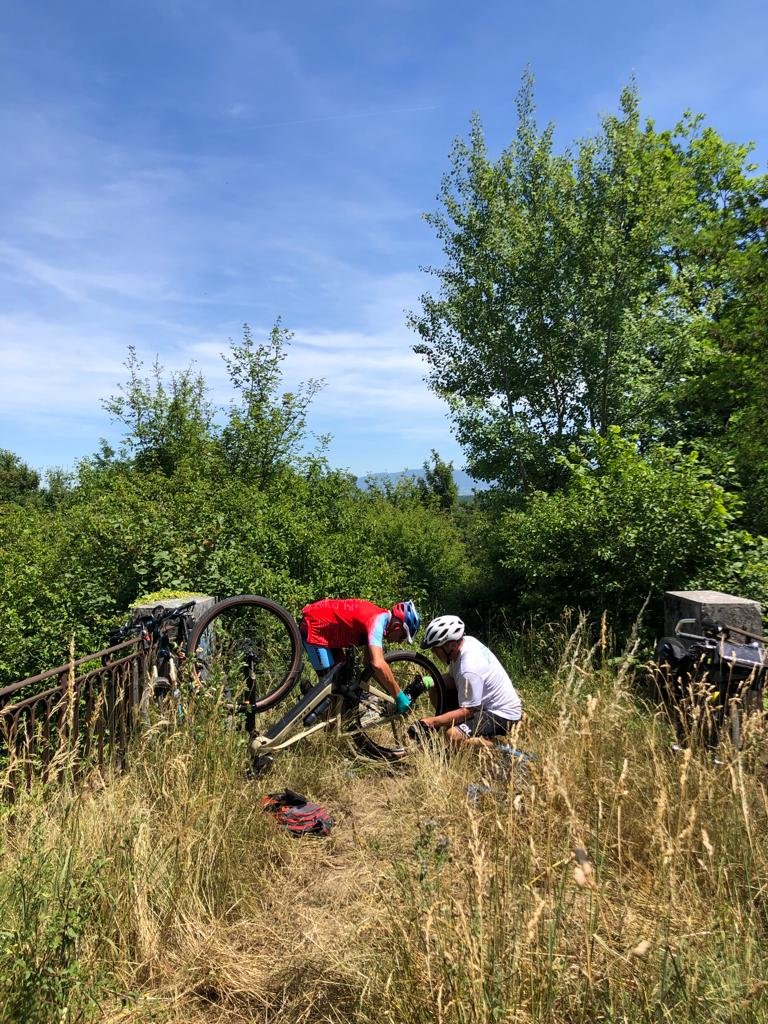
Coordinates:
370 733
250 647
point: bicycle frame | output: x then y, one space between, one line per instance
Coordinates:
345 697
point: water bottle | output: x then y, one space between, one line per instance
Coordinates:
176 694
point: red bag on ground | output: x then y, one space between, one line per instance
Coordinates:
297 815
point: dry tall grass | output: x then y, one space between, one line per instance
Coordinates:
611 881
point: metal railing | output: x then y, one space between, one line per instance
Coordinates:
72 718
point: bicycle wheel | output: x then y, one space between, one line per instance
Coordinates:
372 726
250 648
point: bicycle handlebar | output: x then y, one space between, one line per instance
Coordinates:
718 628
126 630
151 622
161 614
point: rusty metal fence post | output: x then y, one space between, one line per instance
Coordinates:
72 717
79 715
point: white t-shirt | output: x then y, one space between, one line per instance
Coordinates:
482 682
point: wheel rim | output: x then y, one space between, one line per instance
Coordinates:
248 651
372 726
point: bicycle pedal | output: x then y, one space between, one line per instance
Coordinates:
260 765
419 732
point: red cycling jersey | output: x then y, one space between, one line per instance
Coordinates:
335 623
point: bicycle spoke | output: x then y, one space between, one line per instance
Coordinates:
374 727
249 649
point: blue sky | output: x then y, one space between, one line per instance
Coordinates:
174 168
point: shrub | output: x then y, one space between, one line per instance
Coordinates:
627 525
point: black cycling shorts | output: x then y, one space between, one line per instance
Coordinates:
486 725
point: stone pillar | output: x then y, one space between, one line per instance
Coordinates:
202 603
726 608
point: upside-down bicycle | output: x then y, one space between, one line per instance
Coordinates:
249 647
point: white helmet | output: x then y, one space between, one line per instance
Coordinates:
442 630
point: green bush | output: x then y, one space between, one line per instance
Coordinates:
626 526
73 570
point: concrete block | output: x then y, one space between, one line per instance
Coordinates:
202 603
726 608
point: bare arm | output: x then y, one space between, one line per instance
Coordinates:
382 671
449 718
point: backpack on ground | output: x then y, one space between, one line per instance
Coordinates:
297 815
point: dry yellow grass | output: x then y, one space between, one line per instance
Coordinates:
613 881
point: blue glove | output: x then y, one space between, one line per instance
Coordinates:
402 702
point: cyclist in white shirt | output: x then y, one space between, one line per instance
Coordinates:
488 703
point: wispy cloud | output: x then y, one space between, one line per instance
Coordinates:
363 115
76 284
374 382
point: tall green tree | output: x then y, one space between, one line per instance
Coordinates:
720 258
168 418
573 286
18 481
266 428
438 484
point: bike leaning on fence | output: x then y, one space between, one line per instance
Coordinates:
250 649
165 632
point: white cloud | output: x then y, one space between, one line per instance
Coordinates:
63 372
76 283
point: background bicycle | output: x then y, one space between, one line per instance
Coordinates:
711 676
165 632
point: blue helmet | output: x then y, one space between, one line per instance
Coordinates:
405 613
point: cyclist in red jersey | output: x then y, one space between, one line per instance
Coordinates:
328 626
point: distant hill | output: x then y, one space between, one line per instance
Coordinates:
464 481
